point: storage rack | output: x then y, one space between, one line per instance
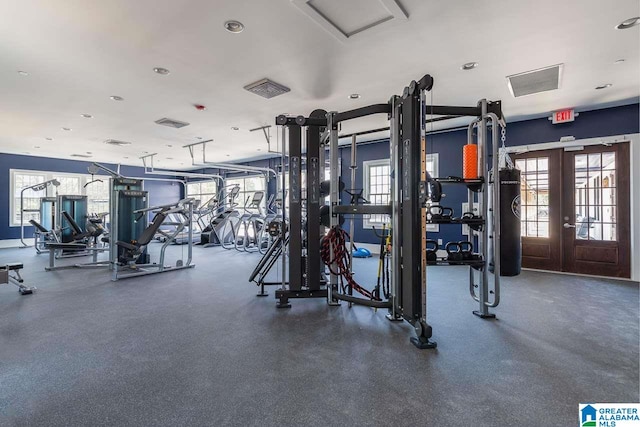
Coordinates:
489 214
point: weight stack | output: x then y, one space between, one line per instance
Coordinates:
510 231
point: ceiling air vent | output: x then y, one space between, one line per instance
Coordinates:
267 88
172 123
116 142
535 81
84 156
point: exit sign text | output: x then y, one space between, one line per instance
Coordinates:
563 116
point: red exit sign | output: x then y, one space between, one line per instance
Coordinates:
563 116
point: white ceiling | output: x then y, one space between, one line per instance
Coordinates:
80 52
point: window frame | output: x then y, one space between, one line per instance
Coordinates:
367 164
14 206
199 195
242 194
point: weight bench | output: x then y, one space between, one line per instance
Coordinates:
10 273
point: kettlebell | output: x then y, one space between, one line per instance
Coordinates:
454 253
466 248
432 251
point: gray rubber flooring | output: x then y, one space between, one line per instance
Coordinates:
196 347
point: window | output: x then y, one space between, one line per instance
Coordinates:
248 186
534 196
595 196
31 199
71 184
97 192
377 188
202 191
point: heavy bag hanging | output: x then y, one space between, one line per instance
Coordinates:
510 236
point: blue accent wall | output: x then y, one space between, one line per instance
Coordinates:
159 192
589 124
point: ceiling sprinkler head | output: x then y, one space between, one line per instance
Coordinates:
161 71
234 26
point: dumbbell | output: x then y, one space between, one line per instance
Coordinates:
454 253
432 252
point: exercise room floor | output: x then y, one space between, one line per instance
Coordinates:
197 347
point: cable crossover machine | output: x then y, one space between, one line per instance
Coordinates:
319 264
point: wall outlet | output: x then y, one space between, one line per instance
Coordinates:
439 242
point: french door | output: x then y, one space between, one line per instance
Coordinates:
575 210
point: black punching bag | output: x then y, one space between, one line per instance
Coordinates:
510 242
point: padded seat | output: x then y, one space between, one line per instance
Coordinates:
77 234
39 226
132 250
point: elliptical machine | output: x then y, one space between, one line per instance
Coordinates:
247 231
219 219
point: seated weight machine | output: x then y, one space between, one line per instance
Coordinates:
40 238
305 273
78 243
129 253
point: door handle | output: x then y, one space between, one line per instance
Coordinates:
567 225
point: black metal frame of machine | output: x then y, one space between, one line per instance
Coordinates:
303 275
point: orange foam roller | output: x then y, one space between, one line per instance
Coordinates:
470 161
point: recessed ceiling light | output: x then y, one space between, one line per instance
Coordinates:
619 61
86 116
169 158
628 23
169 145
125 157
234 26
23 73
604 86
235 128
259 149
228 155
116 98
198 137
89 152
354 96
49 139
37 146
145 152
67 129
469 66
160 70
